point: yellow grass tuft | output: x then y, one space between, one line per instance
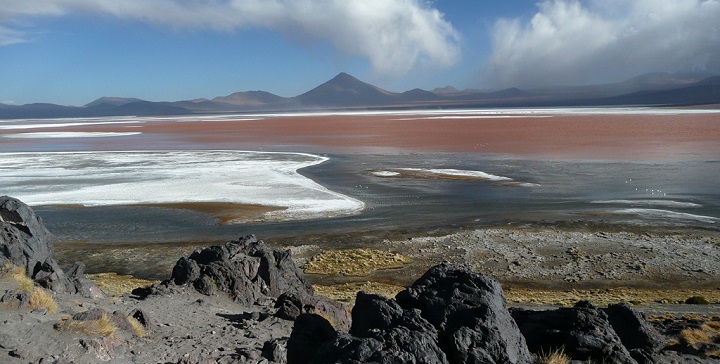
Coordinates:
114 284
554 357
137 327
714 353
711 326
24 283
17 274
39 298
100 327
693 337
347 292
354 262
7 267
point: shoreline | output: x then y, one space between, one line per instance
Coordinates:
563 259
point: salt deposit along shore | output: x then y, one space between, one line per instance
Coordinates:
183 179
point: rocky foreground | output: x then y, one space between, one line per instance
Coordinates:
244 303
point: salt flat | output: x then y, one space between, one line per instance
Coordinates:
162 177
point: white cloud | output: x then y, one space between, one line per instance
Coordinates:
394 35
574 42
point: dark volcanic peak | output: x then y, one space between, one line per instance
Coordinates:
345 90
250 98
114 101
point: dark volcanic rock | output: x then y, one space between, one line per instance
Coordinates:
25 242
275 350
468 310
638 336
142 318
245 269
374 312
15 298
583 331
309 332
450 315
253 274
289 307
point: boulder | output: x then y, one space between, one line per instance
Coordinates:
141 317
275 350
245 269
25 242
289 307
309 333
450 315
468 310
253 274
583 331
638 336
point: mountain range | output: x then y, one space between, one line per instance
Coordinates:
347 92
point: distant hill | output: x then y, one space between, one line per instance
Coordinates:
703 92
114 101
250 98
345 91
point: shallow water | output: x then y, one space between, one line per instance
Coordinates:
636 193
400 189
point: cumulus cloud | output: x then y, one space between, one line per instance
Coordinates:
394 35
576 42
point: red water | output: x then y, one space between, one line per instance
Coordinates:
625 137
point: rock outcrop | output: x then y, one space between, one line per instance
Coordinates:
582 331
452 315
25 242
449 315
639 337
253 274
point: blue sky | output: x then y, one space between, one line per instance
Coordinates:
73 51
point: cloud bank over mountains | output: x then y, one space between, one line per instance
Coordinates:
395 35
573 42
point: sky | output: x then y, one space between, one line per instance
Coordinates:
72 52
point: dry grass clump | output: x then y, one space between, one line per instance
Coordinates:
346 292
354 262
17 274
705 338
39 298
554 357
693 337
113 284
606 296
103 326
137 327
711 326
714 353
